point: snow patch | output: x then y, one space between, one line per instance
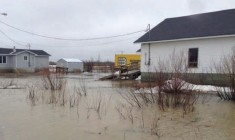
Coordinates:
11 87
185 85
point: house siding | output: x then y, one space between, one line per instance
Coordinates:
36 60
9 63
210 51
41 62
27 65
62 63
72 66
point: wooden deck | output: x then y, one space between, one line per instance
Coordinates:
124 72
127 75
61 70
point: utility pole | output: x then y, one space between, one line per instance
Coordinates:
148 30
149 59
29 55
29 45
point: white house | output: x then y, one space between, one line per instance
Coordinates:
205 38
12 59
72 64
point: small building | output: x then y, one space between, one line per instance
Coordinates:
73 64
12 59
126 60
206 38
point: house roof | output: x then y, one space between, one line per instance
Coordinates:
72 60
5 51
211 24
139 50
9 51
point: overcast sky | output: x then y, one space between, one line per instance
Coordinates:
90 19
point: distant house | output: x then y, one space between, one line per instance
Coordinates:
72 64
23 59
206 38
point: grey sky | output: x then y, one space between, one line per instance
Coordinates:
92 18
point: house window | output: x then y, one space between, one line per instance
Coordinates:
193 58
26 58
3 59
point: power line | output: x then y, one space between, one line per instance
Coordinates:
11 38
72 39
106 43
86 45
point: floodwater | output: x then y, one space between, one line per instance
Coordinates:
103 114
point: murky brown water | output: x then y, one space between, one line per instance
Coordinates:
20 120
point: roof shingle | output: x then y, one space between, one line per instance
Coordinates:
201 25
8 51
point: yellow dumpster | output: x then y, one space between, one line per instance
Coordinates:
128 60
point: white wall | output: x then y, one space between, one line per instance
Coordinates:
210 51
29 64
41 62
62 63
9 62
72 66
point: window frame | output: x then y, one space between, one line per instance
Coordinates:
2 59
193 59
25 56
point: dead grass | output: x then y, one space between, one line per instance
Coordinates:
225 73
32 96
53 81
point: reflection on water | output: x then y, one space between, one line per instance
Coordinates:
103 115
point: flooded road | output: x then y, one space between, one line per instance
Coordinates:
103 114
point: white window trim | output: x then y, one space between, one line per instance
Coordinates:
26 57
192 67
2 59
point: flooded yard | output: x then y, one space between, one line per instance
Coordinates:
103 114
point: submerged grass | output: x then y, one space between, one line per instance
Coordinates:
132 107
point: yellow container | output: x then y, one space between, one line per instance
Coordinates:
127 60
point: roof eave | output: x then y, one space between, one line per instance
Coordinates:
6 54
184 39
43 55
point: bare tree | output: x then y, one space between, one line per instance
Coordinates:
53 81
178 73
225 73
172 89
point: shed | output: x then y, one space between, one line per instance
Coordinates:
73 64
